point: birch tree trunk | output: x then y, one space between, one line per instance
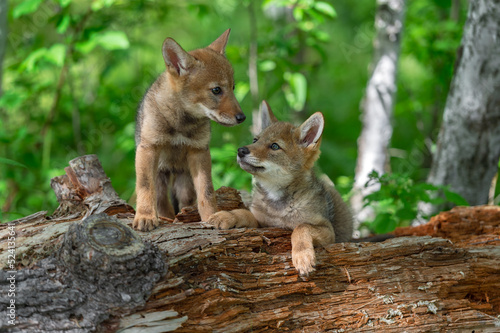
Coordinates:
379 101
468 147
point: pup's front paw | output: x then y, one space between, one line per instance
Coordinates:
304 260
223 220
145 222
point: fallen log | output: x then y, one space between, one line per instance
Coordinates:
243 280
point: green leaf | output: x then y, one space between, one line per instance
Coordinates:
63 24
87 46
455 198
109 40
56 54
298 14
113 40
26 7
296 91
241 89
267 65
64 3
29 63
383 223
325 9
100 4
12 162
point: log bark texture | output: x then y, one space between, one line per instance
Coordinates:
102 268
243 280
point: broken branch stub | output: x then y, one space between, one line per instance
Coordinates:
85 188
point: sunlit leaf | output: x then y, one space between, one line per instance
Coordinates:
56 54
296 91
63 24
241 89
100 4
29 63
267 65
86 47
64 3
26 7
325 9
113 40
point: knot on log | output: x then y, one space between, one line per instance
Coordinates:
108 254
102 268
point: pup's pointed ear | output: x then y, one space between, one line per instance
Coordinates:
311 129
177 60
219 45
266 116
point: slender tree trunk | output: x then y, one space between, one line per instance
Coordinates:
379 100
252 67
468 147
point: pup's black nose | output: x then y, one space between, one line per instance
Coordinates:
240 117
243 151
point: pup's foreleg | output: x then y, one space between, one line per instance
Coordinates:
304 237
146 169
200 166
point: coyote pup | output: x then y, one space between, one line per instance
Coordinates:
173 131
286 192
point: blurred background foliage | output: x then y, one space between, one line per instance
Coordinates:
75 71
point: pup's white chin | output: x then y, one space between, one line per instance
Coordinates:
249 167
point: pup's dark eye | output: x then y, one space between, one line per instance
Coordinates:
255 140
275 146
216 90
234 86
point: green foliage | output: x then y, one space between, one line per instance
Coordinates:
395 204
225 170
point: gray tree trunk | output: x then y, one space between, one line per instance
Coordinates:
379 101
468 147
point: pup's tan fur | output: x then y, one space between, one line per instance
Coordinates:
173 131
287 194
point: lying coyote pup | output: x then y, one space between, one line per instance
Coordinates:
287 194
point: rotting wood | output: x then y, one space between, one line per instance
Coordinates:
464 226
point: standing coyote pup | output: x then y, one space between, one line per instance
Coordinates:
287 194
173 131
